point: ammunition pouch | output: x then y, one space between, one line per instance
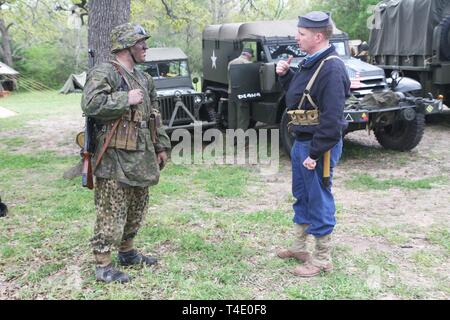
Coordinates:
154 125
304 117
126 135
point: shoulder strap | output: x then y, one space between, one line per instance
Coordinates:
307 92
119 70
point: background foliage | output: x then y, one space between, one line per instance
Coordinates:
48 46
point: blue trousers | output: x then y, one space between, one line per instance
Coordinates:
314 203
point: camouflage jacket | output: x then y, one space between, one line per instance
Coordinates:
105 98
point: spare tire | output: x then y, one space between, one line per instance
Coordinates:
445 38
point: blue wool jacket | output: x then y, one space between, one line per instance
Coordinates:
329 92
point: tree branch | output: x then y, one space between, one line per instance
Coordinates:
169 11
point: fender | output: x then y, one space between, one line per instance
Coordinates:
406 85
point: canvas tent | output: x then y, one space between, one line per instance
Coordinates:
6 70
7 75
75 83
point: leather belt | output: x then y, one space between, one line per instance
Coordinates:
139 124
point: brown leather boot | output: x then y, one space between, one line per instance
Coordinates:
287 254
298 250
321 260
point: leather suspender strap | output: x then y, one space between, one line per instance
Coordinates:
307 92
107 141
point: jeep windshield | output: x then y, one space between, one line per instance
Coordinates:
168 74
167 69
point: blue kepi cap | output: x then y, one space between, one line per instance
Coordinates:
314 19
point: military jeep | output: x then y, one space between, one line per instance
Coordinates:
180 104
398 126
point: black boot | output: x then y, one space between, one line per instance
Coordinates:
133 257
109 274
3 209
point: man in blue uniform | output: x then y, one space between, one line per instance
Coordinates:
317 93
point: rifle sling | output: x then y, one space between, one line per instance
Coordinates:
107 141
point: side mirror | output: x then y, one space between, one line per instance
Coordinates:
364 47
395 75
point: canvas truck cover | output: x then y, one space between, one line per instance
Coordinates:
254 30
405 27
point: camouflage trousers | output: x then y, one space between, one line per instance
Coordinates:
120 213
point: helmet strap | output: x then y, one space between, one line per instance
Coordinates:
132 56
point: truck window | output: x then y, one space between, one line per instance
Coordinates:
253 45
282 52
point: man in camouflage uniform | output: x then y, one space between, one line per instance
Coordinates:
239 111
117 90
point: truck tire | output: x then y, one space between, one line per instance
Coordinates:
402 135
445 38
287 139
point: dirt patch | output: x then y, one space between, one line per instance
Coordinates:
52 134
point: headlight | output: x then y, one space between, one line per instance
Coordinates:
198 99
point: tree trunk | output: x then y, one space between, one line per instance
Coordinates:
104 15
6 44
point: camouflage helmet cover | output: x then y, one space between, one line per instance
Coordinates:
126 35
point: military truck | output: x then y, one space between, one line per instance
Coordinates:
398 126
180 104
413 38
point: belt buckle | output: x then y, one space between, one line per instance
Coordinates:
143 124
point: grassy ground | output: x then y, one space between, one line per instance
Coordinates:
215 228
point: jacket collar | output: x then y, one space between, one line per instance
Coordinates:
308 64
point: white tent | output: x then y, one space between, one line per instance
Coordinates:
6 70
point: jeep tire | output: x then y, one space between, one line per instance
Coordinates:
402 135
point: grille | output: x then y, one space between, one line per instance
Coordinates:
167 106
